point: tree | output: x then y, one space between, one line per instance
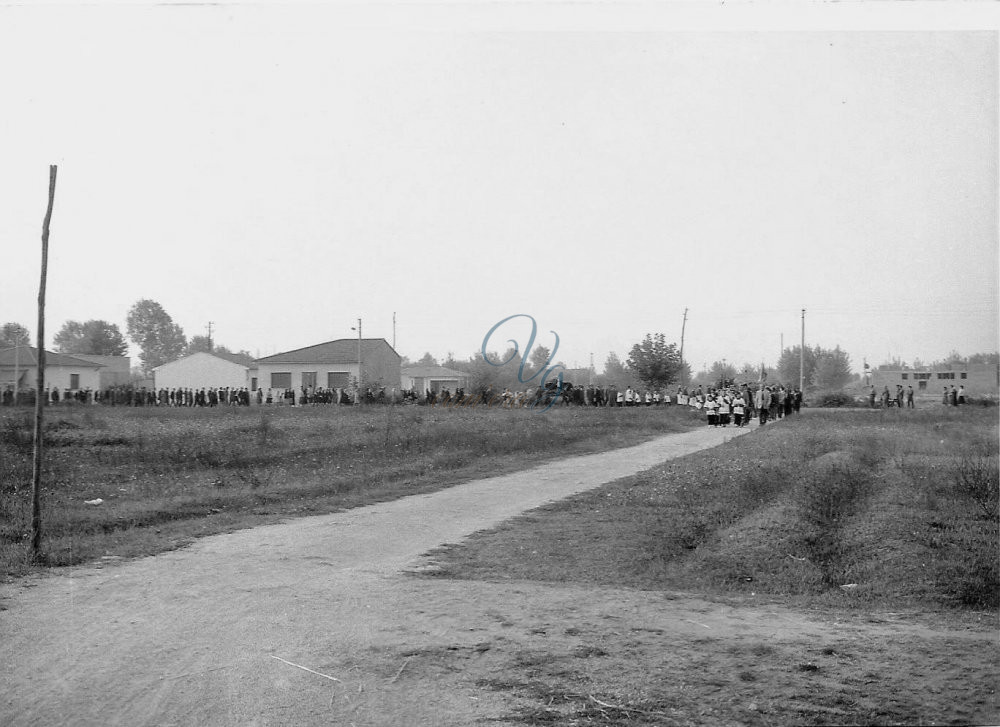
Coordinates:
14 334
198 344
159 339
832 371
614 370
98 338
984 358
243 356
655 362
788 365
538 359
427 360
504 375
721 373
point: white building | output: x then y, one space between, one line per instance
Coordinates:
332 365
201 370
115 370
435 379
19 365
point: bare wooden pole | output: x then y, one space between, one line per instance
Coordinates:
802 354
683 326
36 470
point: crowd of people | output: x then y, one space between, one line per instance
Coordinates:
733 403
904 397
198 397
736 404
135 396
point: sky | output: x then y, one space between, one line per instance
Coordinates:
283 170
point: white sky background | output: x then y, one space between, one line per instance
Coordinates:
283 170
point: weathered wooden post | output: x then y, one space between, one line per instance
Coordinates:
36 470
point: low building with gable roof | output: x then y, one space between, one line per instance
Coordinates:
19 370
203 370
332 365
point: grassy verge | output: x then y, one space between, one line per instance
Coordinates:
856 509
166 476
867 520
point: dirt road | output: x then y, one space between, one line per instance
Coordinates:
217 633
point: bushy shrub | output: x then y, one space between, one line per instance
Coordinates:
832 399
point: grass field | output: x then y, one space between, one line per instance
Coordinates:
867 519
168 475
882 509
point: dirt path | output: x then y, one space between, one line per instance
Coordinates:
204 636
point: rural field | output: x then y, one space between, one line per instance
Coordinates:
836 567
167 475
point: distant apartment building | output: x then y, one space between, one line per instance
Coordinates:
978 379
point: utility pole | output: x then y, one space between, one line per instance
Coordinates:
36 469
802 353
210 336
394 330
591 372
17 369
357 397
683 326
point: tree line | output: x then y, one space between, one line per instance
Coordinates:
148 325
657 365
652 362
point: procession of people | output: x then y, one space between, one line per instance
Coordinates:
722 405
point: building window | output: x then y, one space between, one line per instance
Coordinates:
905 377
964 375
281 380
922 385
74 381
337 379
309 379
